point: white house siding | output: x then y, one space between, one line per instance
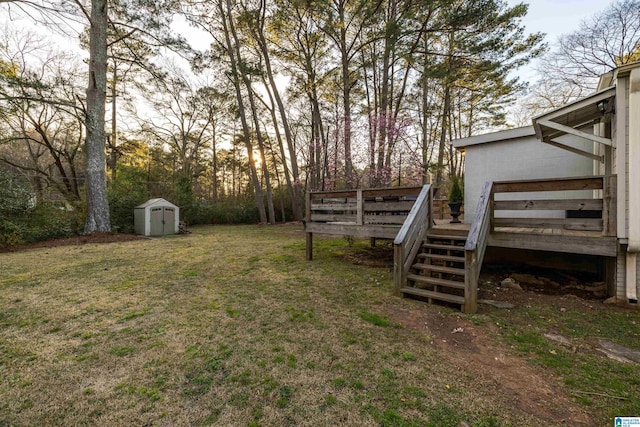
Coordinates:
521 159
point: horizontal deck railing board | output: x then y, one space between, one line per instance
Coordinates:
388 206
352 229
369 192
330 194
332 218
559 184
334 206
586 245
568 204
391 192
584 224
385 219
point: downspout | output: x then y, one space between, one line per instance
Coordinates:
634 185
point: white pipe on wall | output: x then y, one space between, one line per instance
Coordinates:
620 130
634 184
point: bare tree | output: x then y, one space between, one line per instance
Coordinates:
609 39
42 115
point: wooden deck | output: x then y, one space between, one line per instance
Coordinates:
551 240
580 220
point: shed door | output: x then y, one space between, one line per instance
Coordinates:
157 227
169 220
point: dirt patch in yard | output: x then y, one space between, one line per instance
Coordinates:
473 350
380 256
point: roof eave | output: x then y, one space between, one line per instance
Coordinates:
575 114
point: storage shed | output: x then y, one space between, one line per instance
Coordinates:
156 217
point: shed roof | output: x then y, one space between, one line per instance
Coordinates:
503 135
157 201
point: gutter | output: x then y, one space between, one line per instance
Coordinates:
634 184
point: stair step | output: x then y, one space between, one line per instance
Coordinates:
439 268
434 295
441 257
435 281
445 247
446 237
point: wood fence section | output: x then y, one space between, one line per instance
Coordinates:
410 237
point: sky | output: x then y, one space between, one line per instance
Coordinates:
553 17
556 17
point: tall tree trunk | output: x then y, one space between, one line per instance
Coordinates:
346 105
256 122
372 117
296 199
384 113
312 166
276 127
97 203
426 131
114 128
280 190
227 18
214 194
265 167
446 111
443 135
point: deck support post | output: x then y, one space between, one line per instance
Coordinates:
609 208
360 207
309 236
309 246
470 283
611 275
399 275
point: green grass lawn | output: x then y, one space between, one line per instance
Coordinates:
232 326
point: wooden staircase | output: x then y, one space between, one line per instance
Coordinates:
438 271
440 264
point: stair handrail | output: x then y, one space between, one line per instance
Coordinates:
476 246
409 239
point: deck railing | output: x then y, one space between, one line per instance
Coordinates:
476 246
376 213
410 237
586 205
576 209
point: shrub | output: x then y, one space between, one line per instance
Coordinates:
43 222
125 193
24 221
455 193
